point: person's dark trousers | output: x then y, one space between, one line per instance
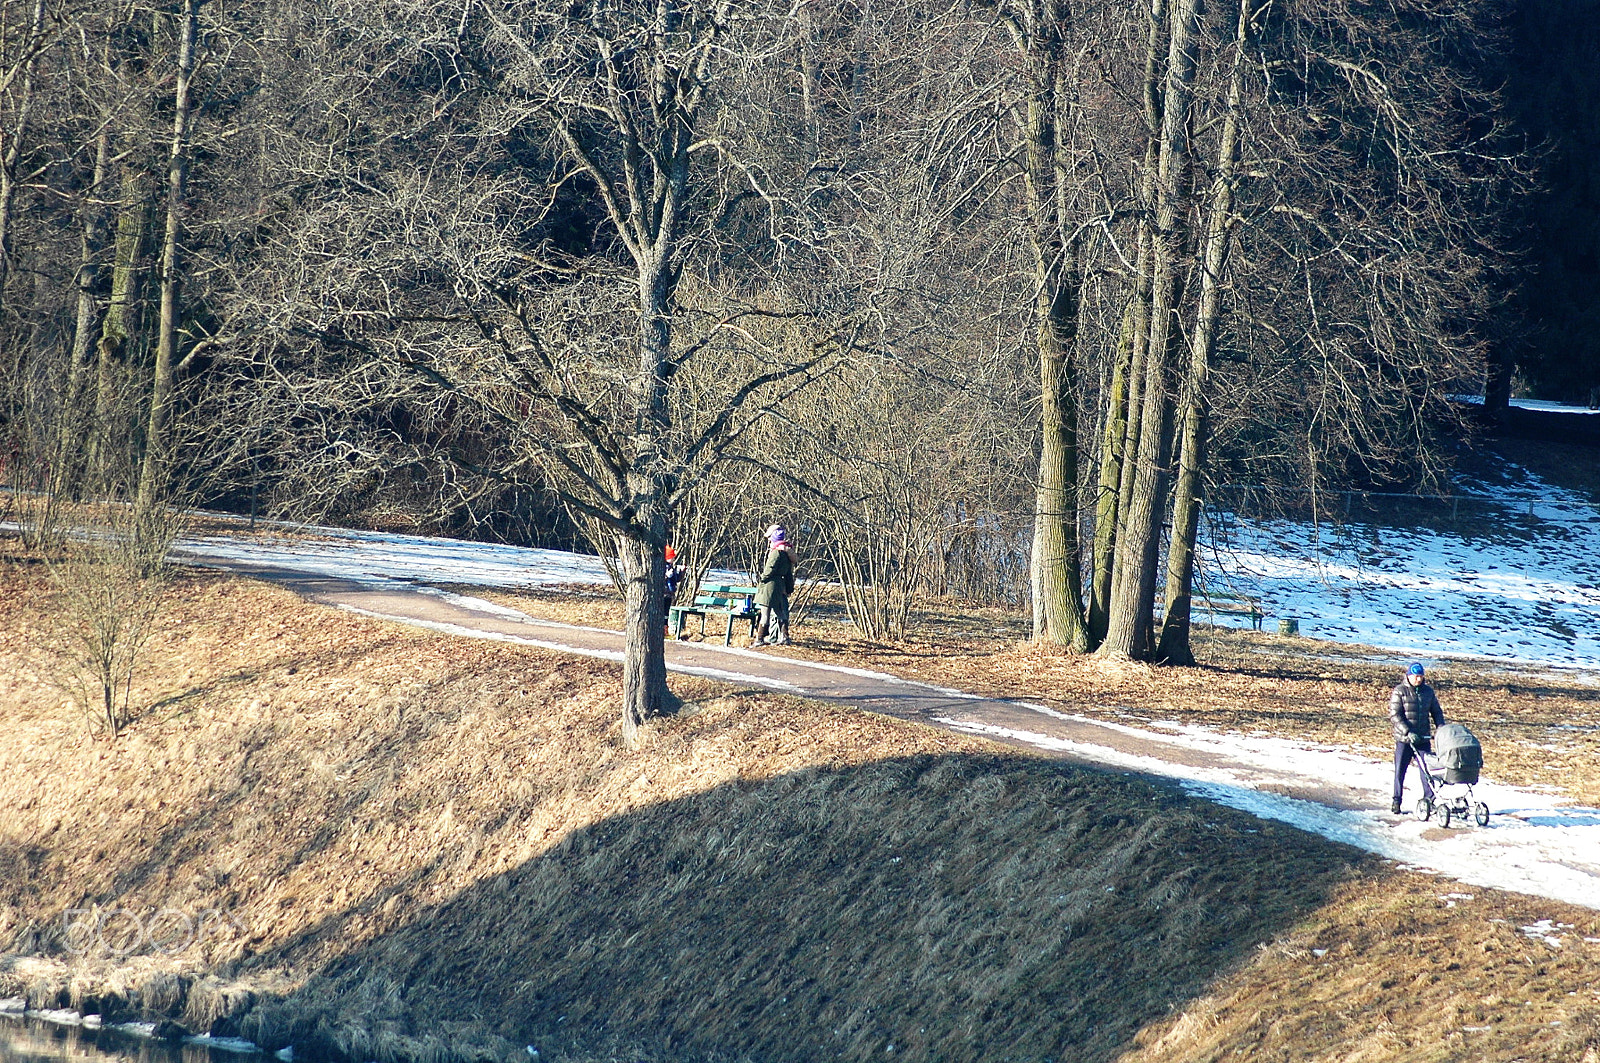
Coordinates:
773 625
1403 756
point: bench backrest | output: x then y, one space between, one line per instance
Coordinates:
725 589
1231 601
720 601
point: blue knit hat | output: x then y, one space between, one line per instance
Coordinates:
1414 669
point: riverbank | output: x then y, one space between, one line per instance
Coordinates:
413 847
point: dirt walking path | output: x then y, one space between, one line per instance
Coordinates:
1017 723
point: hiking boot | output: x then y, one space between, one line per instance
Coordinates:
1394 806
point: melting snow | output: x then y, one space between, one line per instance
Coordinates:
1545 930
1519 850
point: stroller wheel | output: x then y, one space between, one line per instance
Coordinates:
1424 809
1444 812
1480 814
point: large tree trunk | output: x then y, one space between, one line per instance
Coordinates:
76 429
1057 583
122 318
1174 647
152 477
127 251
11 140
1118 435
644 666
1124 405
1138 539
644 661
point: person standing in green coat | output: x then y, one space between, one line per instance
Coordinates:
773 589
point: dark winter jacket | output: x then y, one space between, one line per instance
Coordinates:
1414 709
777 576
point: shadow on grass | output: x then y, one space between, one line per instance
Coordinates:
952 907
184 701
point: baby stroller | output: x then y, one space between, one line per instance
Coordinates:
1458 753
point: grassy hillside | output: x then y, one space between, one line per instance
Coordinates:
422 848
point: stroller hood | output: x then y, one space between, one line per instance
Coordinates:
1458 752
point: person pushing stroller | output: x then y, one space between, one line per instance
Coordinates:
1414 711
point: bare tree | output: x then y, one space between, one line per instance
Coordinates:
1043 31
573 319
1138 528
108 578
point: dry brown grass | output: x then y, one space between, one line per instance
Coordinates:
1417 970
435 848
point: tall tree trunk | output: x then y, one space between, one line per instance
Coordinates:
810 81
1125 405
644 661
122 319
76 428
11 141
644 667
1138 539
1120 402
653 108
1174 647
152 478
1057 583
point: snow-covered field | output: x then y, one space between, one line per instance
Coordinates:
378 557
1525 591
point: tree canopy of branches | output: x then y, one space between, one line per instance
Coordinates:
964 290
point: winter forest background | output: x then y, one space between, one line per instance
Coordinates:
981 297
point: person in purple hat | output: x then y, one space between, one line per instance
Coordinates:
773 588
1413 713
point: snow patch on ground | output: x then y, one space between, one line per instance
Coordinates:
1547 931
359 555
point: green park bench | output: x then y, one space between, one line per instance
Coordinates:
1234 605
1215 604
734 602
